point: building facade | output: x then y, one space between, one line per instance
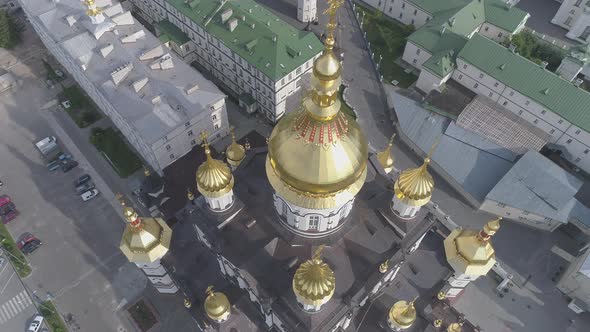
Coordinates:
259 58
307 10
154 99
574 16
575 282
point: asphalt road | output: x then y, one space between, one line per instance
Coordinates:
16 306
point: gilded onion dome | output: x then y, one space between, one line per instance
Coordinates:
414 186
314 281
235 152
214 177
144 240
471 252
455 327
317 155
385 157
217 306
402 314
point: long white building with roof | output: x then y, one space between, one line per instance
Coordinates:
157 101
258 57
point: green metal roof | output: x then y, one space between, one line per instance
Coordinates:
435 6
528 78
441 63
252 39
503 17
169 31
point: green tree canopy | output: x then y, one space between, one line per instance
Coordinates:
10 30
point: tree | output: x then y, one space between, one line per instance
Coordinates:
10 30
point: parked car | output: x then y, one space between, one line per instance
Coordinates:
88 195
35 325
84 187
81 180
52 166
69 165
4 199
31 246
10 215
24 239
2 262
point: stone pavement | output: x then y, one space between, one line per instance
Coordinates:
542 11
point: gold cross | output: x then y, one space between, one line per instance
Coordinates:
209 291
204 134
333 6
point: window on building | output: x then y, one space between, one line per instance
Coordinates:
460 76
501 205
214 117
491 94
560 121
577 160
578 132
527 102
586 151
520 112
193 142
500 35
526 213
486 28
569 141
551 131
172 156
414 61
418 51
504 103
314 223
401 15
168 147
543 111
511 93
403 5
496 84
536 121
187 124
415 11
165 138
573 11
475 86
412 22
481 75
216 127
568 21
578 2
190 133
464 66
390 9
379 3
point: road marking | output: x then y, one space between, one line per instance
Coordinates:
2 317
8 309
3 288
4 268
14 306
4 312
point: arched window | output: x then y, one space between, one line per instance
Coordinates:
314 223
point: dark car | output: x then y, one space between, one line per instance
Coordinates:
84 187
24 239
81 180
68 166
31 246
8 212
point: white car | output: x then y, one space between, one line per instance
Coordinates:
88 195
35 325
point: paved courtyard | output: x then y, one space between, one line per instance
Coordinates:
542 11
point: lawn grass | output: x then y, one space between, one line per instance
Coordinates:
344 107
388 39
142 315
13 253
52 317
82 109
118 153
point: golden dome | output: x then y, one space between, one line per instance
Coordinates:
314 281
144 240
214 177
386 158
471 252
402 314
317 156
414 186
235 152
216 305
455 327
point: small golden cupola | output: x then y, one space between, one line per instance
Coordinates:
385 157
455 327
215 180
314 282
235 152
402 315
413 189
317 155
144 240
217 306
471 252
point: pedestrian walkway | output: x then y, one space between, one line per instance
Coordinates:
14 306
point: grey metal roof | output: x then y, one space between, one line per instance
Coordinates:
537 185
151 120
480 142
477 170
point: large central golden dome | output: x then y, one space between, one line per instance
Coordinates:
317 155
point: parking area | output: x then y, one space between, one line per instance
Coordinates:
16 306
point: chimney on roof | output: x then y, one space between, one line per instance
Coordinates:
252 26
442 31
226 14
509 4
544 64
578 82
512 48
191 89
274 38
232 24
452 21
